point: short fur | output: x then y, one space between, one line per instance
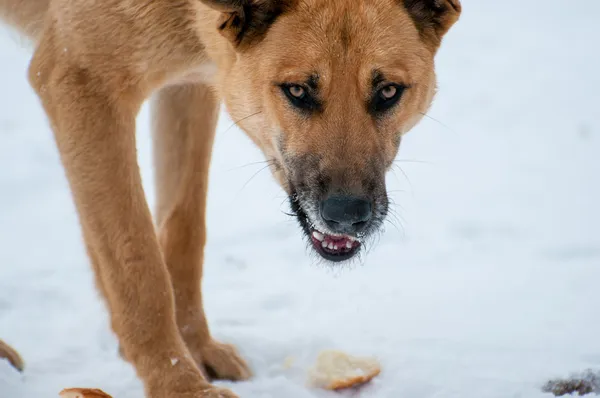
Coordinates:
94 64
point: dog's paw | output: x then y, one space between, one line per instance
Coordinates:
181 386
223 362
12 356
216 392
207 392
217 361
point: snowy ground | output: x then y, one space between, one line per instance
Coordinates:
490 287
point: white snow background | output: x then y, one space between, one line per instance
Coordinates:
490 286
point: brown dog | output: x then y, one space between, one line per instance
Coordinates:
326 88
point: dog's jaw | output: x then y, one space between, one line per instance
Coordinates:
332 247
335 248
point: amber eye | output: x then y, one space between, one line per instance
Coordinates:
297 91
388 92
386 98
300 97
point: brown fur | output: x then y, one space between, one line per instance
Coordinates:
12 356
94 64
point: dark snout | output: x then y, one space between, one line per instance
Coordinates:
346 214
339 204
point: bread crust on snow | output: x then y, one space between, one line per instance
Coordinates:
83 393
336 370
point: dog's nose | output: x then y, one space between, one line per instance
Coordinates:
345 214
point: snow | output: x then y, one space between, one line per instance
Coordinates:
488 288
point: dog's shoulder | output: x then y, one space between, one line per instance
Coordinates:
144 43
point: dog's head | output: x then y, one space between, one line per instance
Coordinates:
327 89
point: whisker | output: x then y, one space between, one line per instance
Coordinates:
394 203
287 213
412 161
397 191
404 174
269 161
283 200
235 123
393 224
394 212
396 218
251 178
372 242
440 123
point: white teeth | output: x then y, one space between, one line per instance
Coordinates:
327 244
318 236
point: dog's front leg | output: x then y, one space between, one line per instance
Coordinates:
93 119
184 123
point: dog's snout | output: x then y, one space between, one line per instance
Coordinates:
346 214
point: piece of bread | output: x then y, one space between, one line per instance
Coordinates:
336 370
83 393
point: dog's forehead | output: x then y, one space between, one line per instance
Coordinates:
325 35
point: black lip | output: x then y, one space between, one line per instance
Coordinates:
304 222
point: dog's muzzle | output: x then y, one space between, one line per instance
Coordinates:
338 225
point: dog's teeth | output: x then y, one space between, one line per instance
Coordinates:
349 244
318 236
324 244
335 247
330 246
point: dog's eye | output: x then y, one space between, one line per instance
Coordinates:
297 91
300 97
386 97
388 92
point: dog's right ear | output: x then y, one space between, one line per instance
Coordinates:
244 22
433 18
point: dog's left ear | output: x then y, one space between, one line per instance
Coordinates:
433 18
244 22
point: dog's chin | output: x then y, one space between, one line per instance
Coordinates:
331 247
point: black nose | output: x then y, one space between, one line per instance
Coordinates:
345 214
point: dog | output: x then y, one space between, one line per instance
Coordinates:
325 88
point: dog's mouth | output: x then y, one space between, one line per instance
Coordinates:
334 247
